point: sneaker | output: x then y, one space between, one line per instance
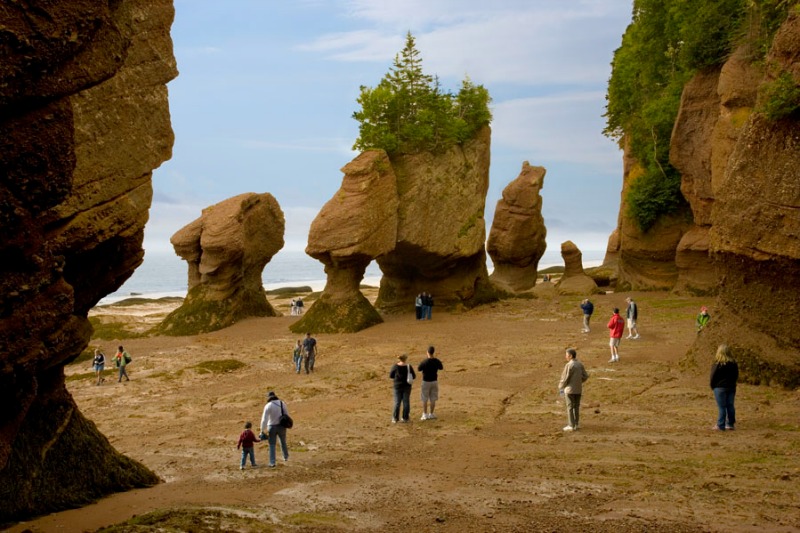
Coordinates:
716 428
256 466
729 428
424 416
271 466
394 421
636 337
431 416
612 360
568 428
241 468
404 421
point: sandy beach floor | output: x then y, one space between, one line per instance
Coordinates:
496 459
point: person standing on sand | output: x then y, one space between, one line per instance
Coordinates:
724 375
99 364
402 388
429 390
616 325
588 308
246 441
270 424
294 307
632 314
702 319
309 352
121 360
418 306
297 356
299 305
571 385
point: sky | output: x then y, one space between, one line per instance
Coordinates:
267 88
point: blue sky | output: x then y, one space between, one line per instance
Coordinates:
267 88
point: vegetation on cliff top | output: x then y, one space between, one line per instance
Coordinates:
408 112
666 43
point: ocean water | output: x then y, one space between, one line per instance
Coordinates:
165 274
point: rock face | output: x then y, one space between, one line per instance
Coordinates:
574 280
357 225
227 249
517 239
755 238
84 120
441 232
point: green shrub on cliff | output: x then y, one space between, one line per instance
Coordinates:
409 112
667 42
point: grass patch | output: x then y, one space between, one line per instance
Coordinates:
221 366
552 270
290 291
78 377
111 330
316 519
194 520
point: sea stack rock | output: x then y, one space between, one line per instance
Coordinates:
755 237
227 249
84 119
517 238
575 280
441 232
357 225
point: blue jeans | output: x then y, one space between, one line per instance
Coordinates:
123 372
298 363
427 309
727 411
273 434
402 393
248 452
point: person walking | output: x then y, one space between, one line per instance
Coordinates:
270 425
309 352
588 308
702 319
399 374
632 314
246 443
616 326
122 359
99 363
297 356
429 390
571 386
724 375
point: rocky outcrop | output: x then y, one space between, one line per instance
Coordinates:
84 120
441 231
754 238
574 280
517 238
227 249
357 225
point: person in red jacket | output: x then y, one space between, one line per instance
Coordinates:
616 326
246 441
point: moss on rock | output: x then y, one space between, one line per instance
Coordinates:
329 315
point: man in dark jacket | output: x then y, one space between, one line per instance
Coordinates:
588 308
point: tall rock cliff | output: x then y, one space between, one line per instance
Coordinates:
84 120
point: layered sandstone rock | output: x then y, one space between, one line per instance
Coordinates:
517 238
357 225
441 232
755 238
84 120
574 280
227 249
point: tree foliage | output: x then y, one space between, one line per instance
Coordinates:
409 112
666 43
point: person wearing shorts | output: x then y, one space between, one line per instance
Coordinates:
615 326
430 383
632 314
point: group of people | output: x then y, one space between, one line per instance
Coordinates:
402 375
121 359
305 354
616 324
272 430
297 306
423 305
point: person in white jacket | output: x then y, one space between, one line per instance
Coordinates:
270 425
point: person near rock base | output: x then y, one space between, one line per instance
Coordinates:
616 326
724 375
418 306
571 385
429 390
402 388
246 443
297 356
427 305
299 306
309 352
121 360
99 364
588 308
632 314
702 319
270 425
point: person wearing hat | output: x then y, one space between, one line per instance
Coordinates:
702 318
270 425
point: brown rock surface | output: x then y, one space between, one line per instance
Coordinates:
227 249
517 238
78 81
441 231
353 228
574 280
